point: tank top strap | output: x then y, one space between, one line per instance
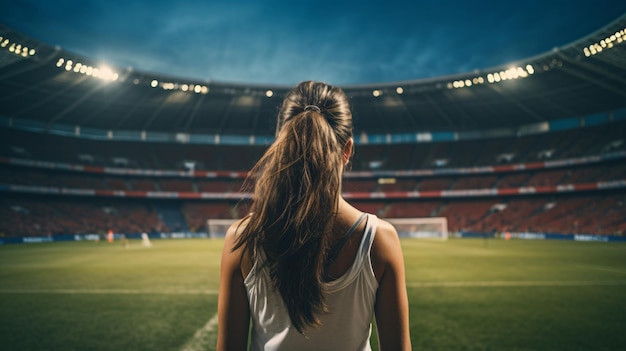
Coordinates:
368 237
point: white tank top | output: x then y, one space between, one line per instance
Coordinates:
350 300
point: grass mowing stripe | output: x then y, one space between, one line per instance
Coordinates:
108 291
461 284
204 338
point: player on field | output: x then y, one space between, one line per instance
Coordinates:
305 268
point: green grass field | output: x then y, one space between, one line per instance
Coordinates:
464 295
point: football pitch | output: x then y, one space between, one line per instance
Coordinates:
464 294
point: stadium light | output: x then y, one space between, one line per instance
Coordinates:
269 93
17 48
604 44
154 83
399 90
104 72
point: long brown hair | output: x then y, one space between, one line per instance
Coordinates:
297 184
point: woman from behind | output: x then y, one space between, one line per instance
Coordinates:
305 268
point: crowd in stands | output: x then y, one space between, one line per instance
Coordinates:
597 212
81 180
589 214
132 154
43 217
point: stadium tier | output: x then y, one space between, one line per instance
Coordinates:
537 145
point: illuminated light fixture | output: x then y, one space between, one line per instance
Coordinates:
154 83
184 87
12 48
450 85
468 82
89 71
481 80
376 93
32 52
604 44
511 73
197 89
269 93
204 90
399 90
490 78
60 62
496 77
530 69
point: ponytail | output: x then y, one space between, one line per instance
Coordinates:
297 184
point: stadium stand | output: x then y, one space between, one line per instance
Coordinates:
533 146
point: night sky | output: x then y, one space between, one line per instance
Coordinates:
284 42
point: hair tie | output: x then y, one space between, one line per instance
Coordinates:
312 107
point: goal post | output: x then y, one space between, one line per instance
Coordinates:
216 228
421 228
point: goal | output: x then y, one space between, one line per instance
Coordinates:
429 227
216 228
433 227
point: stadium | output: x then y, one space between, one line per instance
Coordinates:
524 161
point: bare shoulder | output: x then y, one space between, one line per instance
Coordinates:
236 229
386 235
243 261
386 250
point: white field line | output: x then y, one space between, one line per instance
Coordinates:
109 291
512 283
601 268
204 338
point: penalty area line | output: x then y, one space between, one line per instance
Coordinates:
512 283
204 338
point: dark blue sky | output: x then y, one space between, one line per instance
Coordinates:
284 42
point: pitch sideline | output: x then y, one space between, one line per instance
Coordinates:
110 291
513 283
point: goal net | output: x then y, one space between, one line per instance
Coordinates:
217 228
431 227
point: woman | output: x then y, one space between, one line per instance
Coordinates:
307 269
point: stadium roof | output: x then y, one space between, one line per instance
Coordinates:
48 85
